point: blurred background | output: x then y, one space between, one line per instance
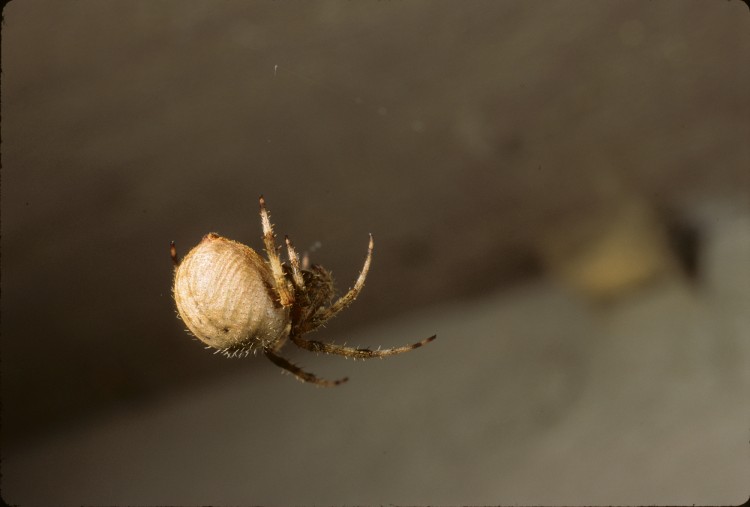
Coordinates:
559 190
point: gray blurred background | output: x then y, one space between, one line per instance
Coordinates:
559 190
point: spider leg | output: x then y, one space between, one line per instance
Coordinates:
294 261
285 294
173 254
299 372
326 314
356 353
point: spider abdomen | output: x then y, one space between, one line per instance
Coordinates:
224 294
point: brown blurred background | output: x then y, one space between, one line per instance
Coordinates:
542 179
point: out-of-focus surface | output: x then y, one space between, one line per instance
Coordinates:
559 190
644 403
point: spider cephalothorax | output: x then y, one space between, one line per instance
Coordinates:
236 302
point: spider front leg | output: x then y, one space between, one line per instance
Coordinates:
286 296
294 261
325 314
299 372
355 352
301 307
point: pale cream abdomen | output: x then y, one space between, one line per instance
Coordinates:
224 294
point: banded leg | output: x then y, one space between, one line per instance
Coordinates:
356 353
326 314
285 294
294 261
299 372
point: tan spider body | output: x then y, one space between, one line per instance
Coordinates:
236 302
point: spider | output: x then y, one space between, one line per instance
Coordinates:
236 302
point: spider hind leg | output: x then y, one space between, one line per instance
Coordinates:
299 372
356 352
